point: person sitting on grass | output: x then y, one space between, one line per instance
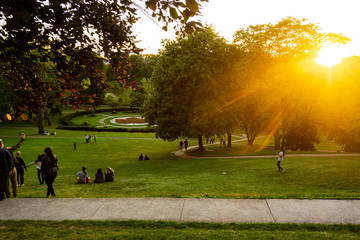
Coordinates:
141 157
99 176
83 176
109 175
146 157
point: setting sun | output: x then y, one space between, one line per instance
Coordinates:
330 55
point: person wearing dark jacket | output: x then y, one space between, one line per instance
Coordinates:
99 176
49 168
20 168
13 172
5 167
109 174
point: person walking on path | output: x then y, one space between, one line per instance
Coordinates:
49 168
186 143
281 155
20 169
5 167
13 172
181 145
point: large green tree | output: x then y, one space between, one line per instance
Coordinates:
342 116
75 36
271 46
189 85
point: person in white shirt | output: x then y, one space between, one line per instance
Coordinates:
83 176
281 155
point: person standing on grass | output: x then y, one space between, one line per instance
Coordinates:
5 168
37 163
49 168
281 155
13 172
20 168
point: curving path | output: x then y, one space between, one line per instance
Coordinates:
182 154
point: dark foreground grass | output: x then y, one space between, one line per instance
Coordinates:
166 175
170 230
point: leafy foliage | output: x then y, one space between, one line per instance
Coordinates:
188 84
60 46
277 68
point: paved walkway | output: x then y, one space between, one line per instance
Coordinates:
183 210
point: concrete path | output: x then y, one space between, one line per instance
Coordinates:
182 154
183 210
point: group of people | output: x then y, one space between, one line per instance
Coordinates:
52 133
185 144
8 171
83 176
210 140
88 138
141 157
12 168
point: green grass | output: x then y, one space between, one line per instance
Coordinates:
171 230
166 175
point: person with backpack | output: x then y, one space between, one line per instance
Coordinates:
49 168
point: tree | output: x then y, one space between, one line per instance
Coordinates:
141 71
6 98
189 86
270 45
72 35
342 116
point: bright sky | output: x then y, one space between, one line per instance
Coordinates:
227 16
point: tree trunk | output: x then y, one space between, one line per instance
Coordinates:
49 121
283 142
229 138
201 145
41 120
250 141
277 139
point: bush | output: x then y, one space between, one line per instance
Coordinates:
69 125
66 120
83 128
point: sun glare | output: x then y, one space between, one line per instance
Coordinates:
330 55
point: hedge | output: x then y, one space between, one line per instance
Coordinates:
79 128
66 120
69 125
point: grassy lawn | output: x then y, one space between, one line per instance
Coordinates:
166 175
171 230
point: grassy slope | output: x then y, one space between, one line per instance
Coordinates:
166 175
